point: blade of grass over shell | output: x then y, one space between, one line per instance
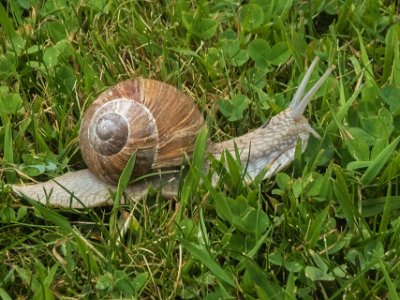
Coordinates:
192 179
123 182
124 179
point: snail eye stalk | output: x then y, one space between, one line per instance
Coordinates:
299 103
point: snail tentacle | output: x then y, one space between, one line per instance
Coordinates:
160 123
272 146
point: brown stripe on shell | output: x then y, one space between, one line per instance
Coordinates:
142 132
178 122
163 124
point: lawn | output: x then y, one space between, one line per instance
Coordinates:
326 227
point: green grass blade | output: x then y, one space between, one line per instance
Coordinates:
268 289
125 178
391 40
343 196
196 168
387 210
123 182
369 74
205 258
5 22
344 16
88 254
8 151
339 116
4 295
392 289
374 207
379 162
290 290
283 237
52 216
316 228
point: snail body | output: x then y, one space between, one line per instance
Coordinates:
159 124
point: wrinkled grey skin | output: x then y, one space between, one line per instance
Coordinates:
270 146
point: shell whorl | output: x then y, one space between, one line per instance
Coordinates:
171 122
145 116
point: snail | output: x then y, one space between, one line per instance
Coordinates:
160 124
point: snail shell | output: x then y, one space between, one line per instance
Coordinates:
143 116
159 123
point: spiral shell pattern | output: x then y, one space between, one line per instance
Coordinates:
147 117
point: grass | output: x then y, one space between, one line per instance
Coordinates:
327 227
